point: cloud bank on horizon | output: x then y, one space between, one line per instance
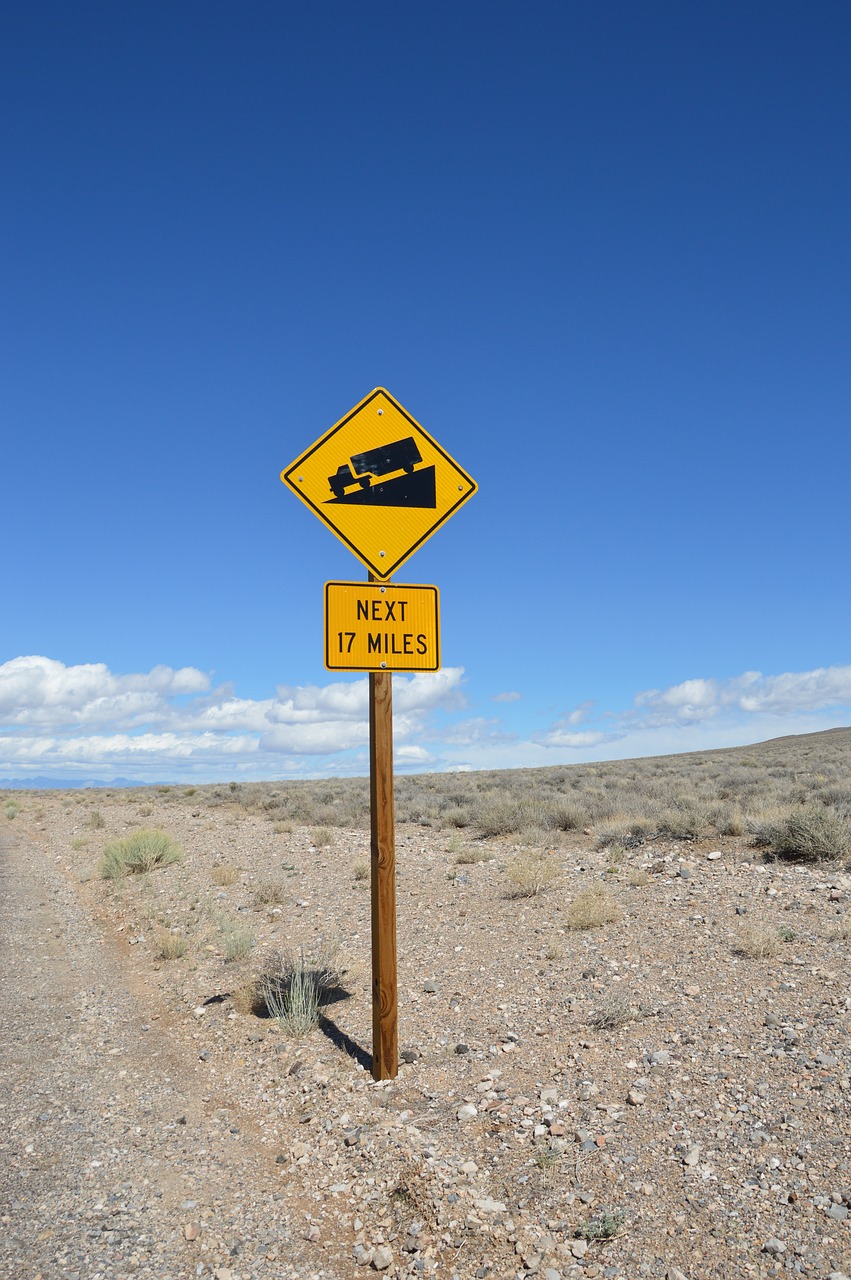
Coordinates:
85 721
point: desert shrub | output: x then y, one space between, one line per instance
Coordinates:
361 869
637 877
136 854
171 946
225 873
457 816
323 838
474 853
97 820
592 908
726 818
11 809
810 833
840 931
505 816
602 1226
294 991
614 1011
270 893
237 941
682 822
531 871
566 816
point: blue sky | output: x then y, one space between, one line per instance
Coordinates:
599 251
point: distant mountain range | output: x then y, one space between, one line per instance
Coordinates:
67 784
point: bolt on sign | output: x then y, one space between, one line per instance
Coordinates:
381 627
380 482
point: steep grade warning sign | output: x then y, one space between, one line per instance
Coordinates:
380 482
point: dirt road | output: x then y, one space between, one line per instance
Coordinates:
112 1163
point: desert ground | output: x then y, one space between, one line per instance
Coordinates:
624 1015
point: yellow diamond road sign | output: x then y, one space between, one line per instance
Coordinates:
380 482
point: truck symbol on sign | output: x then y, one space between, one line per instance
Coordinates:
362 468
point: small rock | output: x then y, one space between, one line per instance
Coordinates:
469 1167
579 1248
382 1257
488 1205
636 1098
352 1138
552 1274
190 1231
312 1233
713 857
462 1048
362 1255
674 1273
692 991
409 1055
466 1112
838 1212
430 988
691 1157
774 1246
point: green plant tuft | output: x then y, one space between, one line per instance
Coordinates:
141 852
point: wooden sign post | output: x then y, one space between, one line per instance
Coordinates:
383 485
385 1004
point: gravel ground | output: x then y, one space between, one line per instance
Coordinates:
647 1098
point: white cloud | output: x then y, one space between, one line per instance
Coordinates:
586 738
509 696
751 693
478 730
37 690
88 722
147 724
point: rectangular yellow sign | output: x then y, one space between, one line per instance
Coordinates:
371 626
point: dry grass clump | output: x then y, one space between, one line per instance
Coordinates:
637 877
225 873
171 946
531 871
473 854
248 1000
592 908
323 838
840 931
96 820
360 870
758 942
294 991
270 893
11 809
136 854
237 941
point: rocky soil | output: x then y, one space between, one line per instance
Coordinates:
666 1095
